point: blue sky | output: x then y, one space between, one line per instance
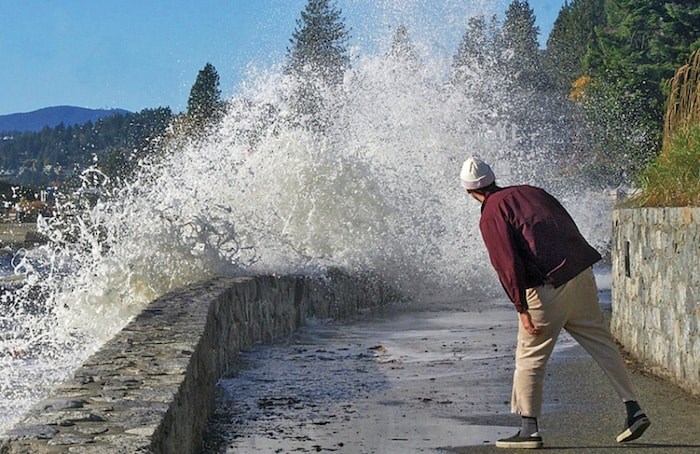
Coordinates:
134 54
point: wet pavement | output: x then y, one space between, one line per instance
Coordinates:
427 379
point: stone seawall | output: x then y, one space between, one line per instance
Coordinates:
152 387
656 290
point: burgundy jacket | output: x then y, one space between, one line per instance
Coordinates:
532 240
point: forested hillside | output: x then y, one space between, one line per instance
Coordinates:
52 117
54 154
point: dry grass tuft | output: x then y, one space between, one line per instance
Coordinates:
673 179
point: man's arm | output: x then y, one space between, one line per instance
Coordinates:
499 239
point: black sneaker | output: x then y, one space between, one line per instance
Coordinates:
635 427
533 441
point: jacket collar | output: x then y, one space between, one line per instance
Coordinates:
486 199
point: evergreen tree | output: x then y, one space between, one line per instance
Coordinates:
629 60
495 34
319 43
204 105
643 42
621 51
317 60
520 39
473 49
478 69
401 45
679 37
143 132
569 40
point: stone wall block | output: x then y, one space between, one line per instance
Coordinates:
656 310
691 369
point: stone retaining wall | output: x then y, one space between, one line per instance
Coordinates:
656 290
152 387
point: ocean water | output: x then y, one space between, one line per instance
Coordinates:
6 268
261 192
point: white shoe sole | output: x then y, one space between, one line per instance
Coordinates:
535 444
635 431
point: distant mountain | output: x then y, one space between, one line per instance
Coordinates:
53 116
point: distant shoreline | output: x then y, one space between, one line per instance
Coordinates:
14 235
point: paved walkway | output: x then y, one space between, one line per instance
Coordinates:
583 414
431 379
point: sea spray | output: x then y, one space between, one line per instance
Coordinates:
375 189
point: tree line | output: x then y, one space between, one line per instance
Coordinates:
604 69
54 155
604 72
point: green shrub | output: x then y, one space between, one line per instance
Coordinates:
673 179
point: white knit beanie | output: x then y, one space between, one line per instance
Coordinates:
476 174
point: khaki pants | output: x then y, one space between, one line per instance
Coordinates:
574 306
